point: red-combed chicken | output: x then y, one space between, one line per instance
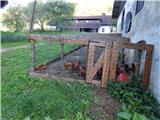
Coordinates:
82 71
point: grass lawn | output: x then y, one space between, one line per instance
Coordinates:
39 99
14 39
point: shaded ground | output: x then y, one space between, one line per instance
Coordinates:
103 107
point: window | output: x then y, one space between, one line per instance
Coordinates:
103 29
128 22
122 22
139 6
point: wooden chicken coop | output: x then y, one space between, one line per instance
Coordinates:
107 61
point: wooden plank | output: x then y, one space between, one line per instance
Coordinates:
137 61
33 54
62 50
97 65
138 46
106 65
90 62
58 39
114 59
147 67
53 77
79 40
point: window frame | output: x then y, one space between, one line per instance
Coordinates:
122 20
139 6
128 22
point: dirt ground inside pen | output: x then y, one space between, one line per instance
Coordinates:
57 67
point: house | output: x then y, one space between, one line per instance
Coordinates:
4 3
140 21
98 24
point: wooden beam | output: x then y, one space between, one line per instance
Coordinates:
106 65
62 50
138 46
90 62
147 67
33 54
114 59
75 39
97 65
58 39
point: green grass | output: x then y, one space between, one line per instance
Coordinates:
13 44
52 49
23 96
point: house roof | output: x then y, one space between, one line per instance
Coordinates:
117 8
4 3
102 20
105 19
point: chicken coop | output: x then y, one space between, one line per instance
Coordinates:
93 58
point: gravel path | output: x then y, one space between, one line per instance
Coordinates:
13 48
18 47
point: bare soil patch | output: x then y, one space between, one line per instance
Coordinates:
103 106
57 67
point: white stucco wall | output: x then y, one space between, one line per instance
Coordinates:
107 29
146 26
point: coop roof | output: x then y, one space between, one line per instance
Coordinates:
117 8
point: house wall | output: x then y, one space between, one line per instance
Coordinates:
48 27
146 26
107 29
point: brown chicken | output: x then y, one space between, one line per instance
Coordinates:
68 66
40 67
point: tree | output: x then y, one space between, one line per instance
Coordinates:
13 18
59 12
41 14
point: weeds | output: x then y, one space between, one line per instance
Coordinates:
138 103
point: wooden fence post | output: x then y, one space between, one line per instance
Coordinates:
33 53
114 60
90 61
147 66
62 50
106 65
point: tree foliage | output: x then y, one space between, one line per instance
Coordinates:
56 12
41 14
13 18
59 12
52 11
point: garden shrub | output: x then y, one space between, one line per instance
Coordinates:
136 101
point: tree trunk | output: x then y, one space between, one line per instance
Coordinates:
17 28
42 28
